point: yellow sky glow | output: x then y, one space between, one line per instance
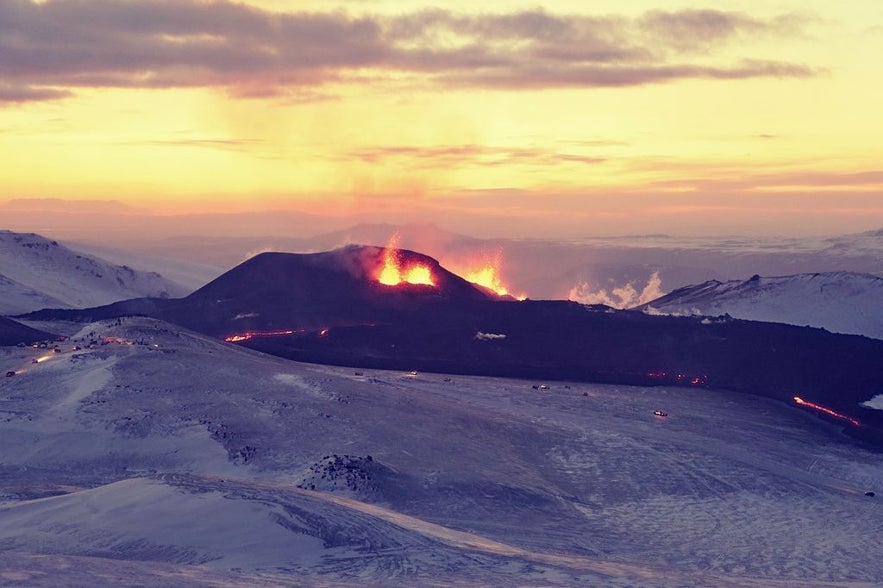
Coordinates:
341 138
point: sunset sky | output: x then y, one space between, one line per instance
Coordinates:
612 116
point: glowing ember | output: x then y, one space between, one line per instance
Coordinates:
394 272
692 380
825 410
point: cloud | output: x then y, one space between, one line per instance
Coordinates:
469 154
220 144
735 180
521 77
51 48
10 94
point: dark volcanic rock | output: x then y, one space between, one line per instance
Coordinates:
13 333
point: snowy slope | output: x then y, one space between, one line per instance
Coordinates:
190 275
36 272
222 466
842 302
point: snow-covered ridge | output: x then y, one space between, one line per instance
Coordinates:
36 272
842 302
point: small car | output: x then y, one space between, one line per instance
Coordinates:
10 374
660 413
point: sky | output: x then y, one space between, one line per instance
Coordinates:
560 117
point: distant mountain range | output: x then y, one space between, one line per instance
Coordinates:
841 302
36 272
329 308
545 267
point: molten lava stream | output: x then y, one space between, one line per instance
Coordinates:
252 334
825 410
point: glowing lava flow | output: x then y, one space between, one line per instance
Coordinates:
252 334
393 272
825 410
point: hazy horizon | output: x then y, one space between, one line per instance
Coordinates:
109 221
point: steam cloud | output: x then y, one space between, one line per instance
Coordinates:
626 296
489 336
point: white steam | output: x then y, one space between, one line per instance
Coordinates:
626 296
489 336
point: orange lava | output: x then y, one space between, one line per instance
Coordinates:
252 334
488 277
394 272
486 272
825 410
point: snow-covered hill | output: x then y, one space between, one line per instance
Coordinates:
222 466
842 302
36 273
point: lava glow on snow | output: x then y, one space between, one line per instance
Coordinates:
825 410
395 271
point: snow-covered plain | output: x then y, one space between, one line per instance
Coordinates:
842 302
167 458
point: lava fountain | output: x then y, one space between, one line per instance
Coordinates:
486 272
489 277
396 271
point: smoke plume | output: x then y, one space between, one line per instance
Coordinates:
625 296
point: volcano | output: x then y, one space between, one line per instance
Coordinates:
331 308
277 292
